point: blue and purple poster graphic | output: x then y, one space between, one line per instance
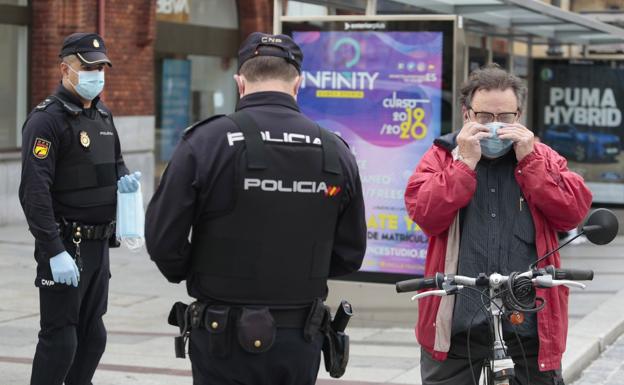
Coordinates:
382 92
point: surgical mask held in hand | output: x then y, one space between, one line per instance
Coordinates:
131 219
492 147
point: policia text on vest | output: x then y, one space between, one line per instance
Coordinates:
274 206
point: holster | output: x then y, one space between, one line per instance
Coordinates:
316 320
179 316
335 348
176 315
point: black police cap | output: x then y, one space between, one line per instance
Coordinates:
262 44
88 47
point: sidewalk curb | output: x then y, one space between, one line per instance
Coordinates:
589 337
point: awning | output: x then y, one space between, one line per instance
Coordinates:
518 19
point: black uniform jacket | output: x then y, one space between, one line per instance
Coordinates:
199 181
38 173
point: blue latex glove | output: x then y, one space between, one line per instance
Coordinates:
129 183
64 269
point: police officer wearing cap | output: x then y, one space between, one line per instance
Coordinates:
71 169
274 204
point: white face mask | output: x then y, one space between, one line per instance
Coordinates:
90 83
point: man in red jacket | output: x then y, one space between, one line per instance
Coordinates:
491 199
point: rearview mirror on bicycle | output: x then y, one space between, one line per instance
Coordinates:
510 297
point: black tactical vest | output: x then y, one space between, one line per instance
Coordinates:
86 174
275 246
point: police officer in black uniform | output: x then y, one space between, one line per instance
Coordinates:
275 206
71 164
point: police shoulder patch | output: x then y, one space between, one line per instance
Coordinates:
41 148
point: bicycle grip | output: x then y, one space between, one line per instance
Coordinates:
574 274
419 283
571 274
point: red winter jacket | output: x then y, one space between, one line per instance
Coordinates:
441 186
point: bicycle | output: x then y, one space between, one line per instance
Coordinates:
512 295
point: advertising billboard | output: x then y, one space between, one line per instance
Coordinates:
578 112
384 87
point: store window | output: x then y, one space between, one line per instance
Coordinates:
13 81
298 8
194 78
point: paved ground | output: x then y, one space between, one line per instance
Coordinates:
608 369
140 344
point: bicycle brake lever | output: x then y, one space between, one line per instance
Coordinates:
439 293
548 281
566 282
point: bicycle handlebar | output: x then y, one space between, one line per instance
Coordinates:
420 283
557 277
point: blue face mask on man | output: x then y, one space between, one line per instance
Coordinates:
493 147
90 83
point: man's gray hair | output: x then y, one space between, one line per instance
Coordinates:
70 59
492 77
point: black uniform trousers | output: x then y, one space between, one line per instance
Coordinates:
455 370
290 361
72 336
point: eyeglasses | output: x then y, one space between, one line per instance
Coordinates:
98 67
488 117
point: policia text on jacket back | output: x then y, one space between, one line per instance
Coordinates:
275 207
71 165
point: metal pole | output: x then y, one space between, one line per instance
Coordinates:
371 7
510 41
530 87
277 16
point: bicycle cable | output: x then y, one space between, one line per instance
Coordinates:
518 295
488 317
521 295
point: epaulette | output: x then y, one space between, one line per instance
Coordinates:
44 104
190 129
70 108
101 109
343 140
336 135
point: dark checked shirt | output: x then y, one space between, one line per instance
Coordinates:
497 236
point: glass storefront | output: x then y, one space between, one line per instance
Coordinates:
13 82
193 82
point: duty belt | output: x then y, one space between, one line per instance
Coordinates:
254 326
83 231
77 231
295 317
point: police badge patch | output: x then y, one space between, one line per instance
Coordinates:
41 148
85 141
